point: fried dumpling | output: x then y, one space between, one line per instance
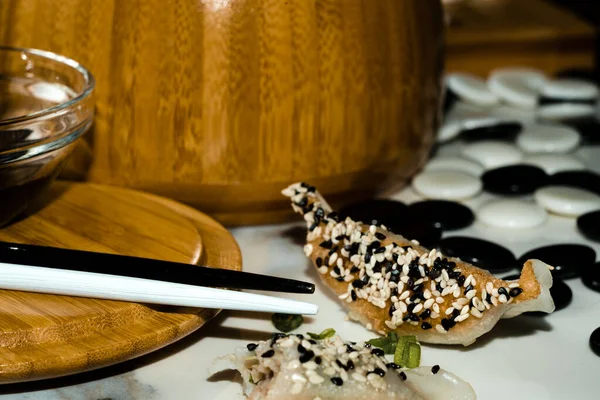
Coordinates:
291 367
392 284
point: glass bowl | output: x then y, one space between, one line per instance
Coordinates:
46 105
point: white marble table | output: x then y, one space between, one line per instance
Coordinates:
523 358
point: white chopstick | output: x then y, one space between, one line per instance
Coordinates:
112 287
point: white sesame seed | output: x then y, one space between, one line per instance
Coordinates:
495 301
297 388
476 313
436 307
403 307
330 371
427 294
495 292
445 275
471 294
440 328
449 310
456 293
417 308
462 317
452 282
359 377
428 303
447 290
297 378
514 285
404 279
323 270
289 342
473 281
432 286
439 300
421 270
404 295
489 287
435 293
353 355
308 249
310 365
372 229
464 310
369 326
343 296
502 298
434 315
316 379
457 305
462 301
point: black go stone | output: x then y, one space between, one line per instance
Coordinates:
561 294
588 128
568 260
383 211
425 232
443 214
484 254
514 179
589 225
586 180
595 341
583 74
499 131
591 277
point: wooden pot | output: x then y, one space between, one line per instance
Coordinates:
222 103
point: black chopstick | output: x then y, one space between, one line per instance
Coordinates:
145 268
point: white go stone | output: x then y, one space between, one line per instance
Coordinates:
553 163
493 154
450 163
471 89
512 214
447 185
548 138
517 86
567 201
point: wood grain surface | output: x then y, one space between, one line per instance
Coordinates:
221 103
43 336
484 35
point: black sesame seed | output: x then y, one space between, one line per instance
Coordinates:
388 266
402 376
375 244
394 256
276 336
418 288
301 349
379 235
334 216
367 258
377 371
407 247
410 284
341 365
439 287
340 238
450 264
354 269
303 202
305 357
411 307
333 250
448 323
358 284
314 225
319 262
320 212
337 381
425 326
251 346
394 291
350 364
435 369
455 313
514 292
268 353
326 261
425 314
340 279
300 336
353 295
395 278
379 250
365 279
336 270
413 317
318 360
392 309
377 352
461 280
488 298
367 345
468 289
434 273
311 341
377 268
392 366
503 291
327 244
454 275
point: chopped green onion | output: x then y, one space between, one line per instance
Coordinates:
323 335
387 344
287 322
408 352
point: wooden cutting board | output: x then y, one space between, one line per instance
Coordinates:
44 336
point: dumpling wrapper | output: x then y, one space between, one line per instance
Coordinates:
388 287
283 377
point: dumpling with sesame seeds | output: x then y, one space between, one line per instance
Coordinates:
392 284
291 367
